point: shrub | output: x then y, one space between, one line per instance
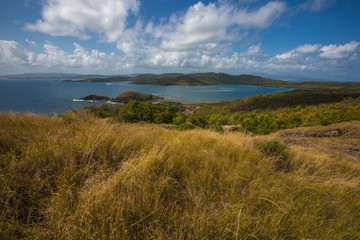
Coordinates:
278 150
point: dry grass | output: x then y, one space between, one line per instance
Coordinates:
78 177
340 138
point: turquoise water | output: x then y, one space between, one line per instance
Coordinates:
54 96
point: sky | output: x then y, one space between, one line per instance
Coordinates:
312 39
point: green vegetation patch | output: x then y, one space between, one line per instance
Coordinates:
292 98
136 96
262 114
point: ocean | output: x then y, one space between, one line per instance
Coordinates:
55 97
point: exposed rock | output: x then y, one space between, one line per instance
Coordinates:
326 133
332 133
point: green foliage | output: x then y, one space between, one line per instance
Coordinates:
267 121
270 148
135 96
277 100
278 150
265 113
135 111
262 121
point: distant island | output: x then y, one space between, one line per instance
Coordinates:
51 76
201 79
124 97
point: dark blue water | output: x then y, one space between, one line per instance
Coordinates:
54 96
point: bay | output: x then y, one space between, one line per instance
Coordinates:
54 97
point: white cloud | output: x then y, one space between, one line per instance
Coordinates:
308 48
317 5
261 18
286 55
206 29
213 23
334 51
15 55
12 53
32 43
317 60
81 18
299 52
253 51
79 58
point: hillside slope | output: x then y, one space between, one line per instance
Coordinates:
200 79
75 176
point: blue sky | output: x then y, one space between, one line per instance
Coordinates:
317 39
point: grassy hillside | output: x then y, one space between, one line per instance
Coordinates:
298 97
79 177
201 79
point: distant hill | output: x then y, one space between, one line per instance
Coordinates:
51 75
201 79
198 79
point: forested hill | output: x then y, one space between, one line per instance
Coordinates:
200 79
203 79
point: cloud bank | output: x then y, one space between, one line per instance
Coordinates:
316 59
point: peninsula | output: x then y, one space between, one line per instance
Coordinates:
201 79
123 98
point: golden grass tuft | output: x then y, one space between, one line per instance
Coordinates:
78 177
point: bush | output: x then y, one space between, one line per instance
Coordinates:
276 149
270 148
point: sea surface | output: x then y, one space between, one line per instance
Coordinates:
55 97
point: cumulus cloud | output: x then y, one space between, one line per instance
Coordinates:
213 23
308 48
299 52
32 43
328 60
12 53
334 51
209 29
253 51
82 18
